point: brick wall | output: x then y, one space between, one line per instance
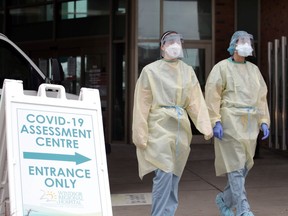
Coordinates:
274 24
224 27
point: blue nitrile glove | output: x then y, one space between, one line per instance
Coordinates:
218 130
265 130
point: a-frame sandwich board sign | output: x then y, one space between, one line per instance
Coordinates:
53 159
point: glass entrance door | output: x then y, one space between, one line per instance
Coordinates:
200 58
81 67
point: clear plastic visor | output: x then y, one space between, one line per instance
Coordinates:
246 39
171 39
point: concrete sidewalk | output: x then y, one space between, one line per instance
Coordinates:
266 184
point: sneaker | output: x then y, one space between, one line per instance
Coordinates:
224 210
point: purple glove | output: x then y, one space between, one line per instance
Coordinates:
265 130
218 130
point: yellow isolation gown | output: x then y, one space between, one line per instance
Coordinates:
165 94
235 94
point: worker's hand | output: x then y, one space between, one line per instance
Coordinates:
265 130
218 130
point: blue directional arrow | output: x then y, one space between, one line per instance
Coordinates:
77 158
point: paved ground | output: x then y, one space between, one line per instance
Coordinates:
266 184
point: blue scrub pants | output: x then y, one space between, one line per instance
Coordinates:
164 194
234 194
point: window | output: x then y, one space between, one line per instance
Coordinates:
14 66
158 16
83 18
72 10
147 53
148 19
247 16
194 22
35 14
84 8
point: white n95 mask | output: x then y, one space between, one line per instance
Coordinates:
174 51
244 50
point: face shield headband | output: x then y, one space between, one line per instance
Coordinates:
171 39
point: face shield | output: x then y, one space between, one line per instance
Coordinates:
171 46
244 39
244 46
243 43
171 39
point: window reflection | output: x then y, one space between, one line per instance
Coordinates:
119 19
147 53
121 8
72 10
72 73
83 8
196 58
148 19
191 18
31 14
195 20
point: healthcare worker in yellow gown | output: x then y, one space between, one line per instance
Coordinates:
235 94
166 93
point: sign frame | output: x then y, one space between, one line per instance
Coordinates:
87 192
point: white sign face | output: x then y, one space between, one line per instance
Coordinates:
59 159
